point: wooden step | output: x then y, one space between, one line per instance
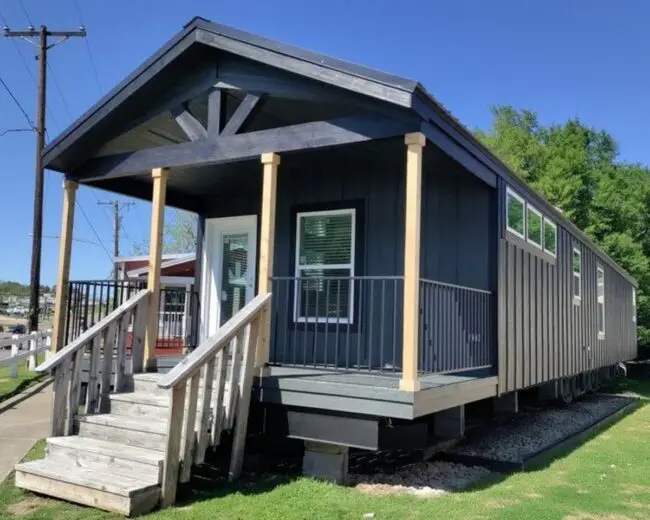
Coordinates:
133 431
127 495
140 404
148 383
115 457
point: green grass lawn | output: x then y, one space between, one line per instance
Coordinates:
10 386
606 478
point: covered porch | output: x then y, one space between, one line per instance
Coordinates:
240 138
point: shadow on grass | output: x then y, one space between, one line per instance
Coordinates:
22 386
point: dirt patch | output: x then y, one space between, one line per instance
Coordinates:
28 505
634 489
502 503
591 516
633 504
533 496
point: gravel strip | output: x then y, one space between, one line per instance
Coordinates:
425 479
531 431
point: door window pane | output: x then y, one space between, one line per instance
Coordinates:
234 275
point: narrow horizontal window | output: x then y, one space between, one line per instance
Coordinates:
550 237
577 275
534 226
600 299
325 266
515 213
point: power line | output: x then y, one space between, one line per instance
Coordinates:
99 240
60 91
11 94
90 54
26 13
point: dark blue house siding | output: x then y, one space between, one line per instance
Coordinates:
458 231
542 334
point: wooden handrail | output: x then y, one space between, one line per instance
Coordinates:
195 424
211 346
91 333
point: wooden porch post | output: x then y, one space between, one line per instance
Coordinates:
270 162
65 246
414 145
159 176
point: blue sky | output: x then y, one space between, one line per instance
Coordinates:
579 58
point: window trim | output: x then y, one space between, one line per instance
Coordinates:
577 298
599 269
527 208
633 304
554 226
297 267
509 192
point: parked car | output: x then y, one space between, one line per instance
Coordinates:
18 329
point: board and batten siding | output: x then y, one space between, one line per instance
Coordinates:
542 334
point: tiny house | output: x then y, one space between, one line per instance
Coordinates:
410 272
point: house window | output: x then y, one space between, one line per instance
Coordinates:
325 245
634 304
550 237
577 275
515 213
600 292
534 226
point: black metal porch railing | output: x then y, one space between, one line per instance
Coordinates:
455 328
341 323
90 301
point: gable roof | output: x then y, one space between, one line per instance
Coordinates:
437 123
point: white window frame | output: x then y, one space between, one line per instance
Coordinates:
527 208
298 268
554 226
510 192
599 270
634 304
577 297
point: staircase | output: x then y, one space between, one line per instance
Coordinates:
133 447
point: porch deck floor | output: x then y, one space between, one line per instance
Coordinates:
374 379
364 392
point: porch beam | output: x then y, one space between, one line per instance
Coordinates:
63 275
216 112
270 163
305 136
190 125
159 176
415 143
243 114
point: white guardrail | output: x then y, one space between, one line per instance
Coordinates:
32 344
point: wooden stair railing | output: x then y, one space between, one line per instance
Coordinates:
187 442
106 342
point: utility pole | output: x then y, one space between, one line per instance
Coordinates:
117 222
39 38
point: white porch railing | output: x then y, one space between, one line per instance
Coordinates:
36 343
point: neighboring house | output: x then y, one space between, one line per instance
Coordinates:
177 278
411 271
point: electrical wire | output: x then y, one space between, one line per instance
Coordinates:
11 94
26 14
90 54
60 91
99 240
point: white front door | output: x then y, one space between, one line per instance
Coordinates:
228 274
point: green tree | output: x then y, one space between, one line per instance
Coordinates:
179 234
576 169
